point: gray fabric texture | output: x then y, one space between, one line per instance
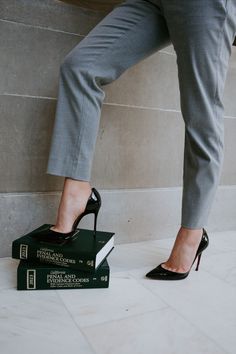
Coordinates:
202 33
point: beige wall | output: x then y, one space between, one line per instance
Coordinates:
139 151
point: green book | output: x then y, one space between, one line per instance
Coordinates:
33 275
84 252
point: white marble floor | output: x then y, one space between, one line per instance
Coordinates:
135 314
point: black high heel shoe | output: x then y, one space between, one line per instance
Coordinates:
164 274
93 205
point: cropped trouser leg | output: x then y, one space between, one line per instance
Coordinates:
202 33
129 33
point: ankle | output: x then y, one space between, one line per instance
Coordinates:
186 230
74 187
189 235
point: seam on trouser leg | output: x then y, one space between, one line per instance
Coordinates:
219 51
79 139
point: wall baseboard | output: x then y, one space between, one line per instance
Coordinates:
123 211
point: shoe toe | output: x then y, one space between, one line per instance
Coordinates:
156 272
164 274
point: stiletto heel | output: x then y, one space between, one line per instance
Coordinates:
93 206
164 274
198 261
95 222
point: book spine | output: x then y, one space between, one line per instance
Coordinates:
50 255
46 278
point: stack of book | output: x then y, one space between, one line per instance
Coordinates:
78 263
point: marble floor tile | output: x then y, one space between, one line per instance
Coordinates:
37 322
224 241
161 331
135 255
137 314
222 265
203 299
125 297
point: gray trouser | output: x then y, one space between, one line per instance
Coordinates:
202 33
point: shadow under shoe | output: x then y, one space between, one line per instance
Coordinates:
164 274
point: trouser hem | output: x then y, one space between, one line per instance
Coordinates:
66 169
192 226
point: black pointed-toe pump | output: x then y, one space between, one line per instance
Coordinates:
93 205
164 274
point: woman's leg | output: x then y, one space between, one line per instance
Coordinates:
202 32
129 33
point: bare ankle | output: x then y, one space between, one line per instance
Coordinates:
77 182
73 187
189 234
